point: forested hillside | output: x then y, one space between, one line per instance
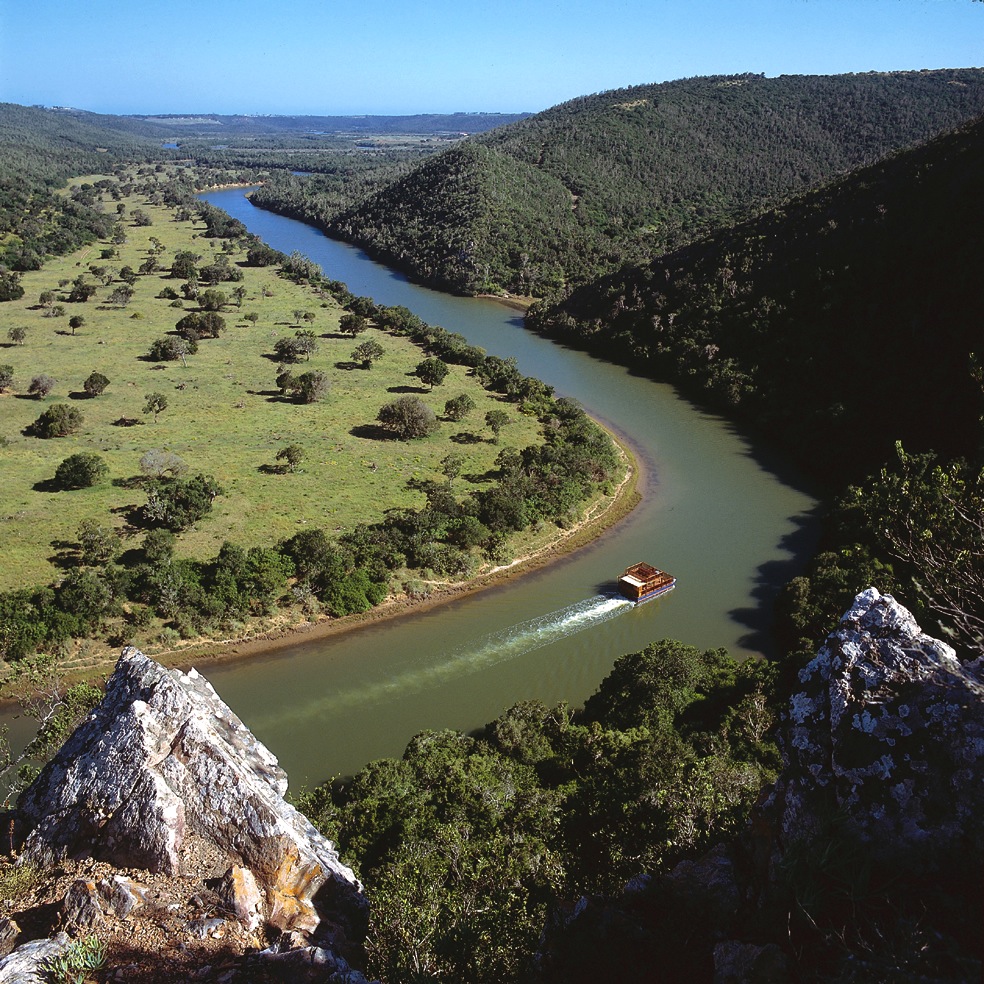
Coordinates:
39 151
840 323
588 185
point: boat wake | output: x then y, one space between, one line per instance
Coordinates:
497 647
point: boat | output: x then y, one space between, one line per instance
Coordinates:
643 582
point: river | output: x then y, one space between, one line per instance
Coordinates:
718 511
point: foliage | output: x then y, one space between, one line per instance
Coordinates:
608 178
156 403
41 385
466 842
367 353
95 384
6 377
291 456
408 418
177 503
81 471
80 958
59 420
458 407
433 372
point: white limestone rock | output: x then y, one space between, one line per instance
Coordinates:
887 731
163 776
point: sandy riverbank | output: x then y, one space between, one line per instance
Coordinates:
601 516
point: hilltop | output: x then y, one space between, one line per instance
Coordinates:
581 188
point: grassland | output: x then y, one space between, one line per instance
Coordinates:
225 416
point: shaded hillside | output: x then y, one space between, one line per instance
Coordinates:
840 323
39 151
600 180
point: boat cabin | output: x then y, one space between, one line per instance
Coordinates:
640 582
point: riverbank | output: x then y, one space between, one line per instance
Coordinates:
599 517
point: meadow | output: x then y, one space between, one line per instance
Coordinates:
225 416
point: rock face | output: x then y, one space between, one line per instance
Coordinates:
888 731
163 776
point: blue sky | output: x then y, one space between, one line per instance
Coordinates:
382 56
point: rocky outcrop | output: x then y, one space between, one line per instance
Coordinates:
875 818
163 777
887 732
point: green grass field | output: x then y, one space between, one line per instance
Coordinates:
224 416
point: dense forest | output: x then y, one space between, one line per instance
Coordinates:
567 194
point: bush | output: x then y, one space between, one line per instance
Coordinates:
95 384
58 420
41 385
408 418
81 471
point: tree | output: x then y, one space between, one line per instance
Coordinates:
156 404
98 545
310 387
207 324
432 371
305 343
212 300
81 471
75 322
458 407
81 291
121 296
291 456
95 384
286 350
239 295
252 317
46 299
59 420
17 335
170 348
367 353
929 517
451 465
127 275
496 420
408 418
10 286
41 385
6 377
157 463
183 267
352 324
285 381
177 503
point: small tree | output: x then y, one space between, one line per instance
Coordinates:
252 317
305 342
156 404
310 387
239 295
408 418
286 381
367 353
59 420
98 545
212 300
41 385
432 371
291 456
81 471
17 335
158 463
170 348
95 384
352 324
6 377
458 407
286 350
75 322
496 420
451 465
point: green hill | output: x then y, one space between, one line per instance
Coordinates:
584 187
841 322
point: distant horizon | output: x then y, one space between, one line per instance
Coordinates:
204 114
383 58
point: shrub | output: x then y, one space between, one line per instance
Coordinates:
41 385
408 418
95 384
58 420
81 471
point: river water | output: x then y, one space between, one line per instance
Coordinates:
717 511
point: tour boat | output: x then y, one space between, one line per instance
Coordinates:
643 582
